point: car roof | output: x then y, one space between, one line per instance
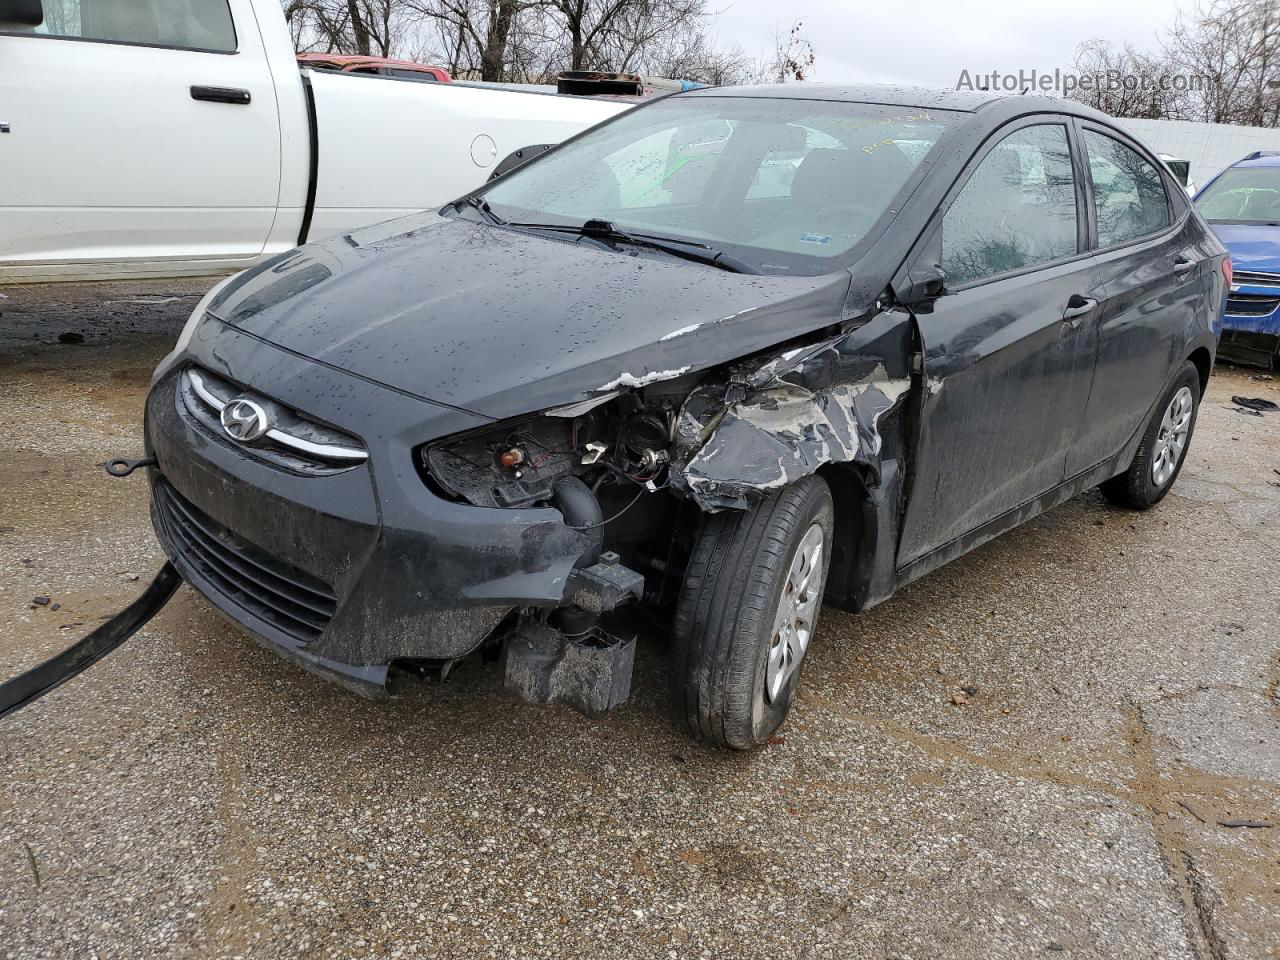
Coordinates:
889 94
1258 162
905 95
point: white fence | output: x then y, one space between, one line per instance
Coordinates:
1210 147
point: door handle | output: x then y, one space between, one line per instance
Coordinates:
1182 266
220 94
1077 308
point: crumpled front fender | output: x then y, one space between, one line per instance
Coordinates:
785 418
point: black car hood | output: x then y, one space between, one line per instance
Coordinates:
501 322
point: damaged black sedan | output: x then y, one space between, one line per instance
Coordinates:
732 354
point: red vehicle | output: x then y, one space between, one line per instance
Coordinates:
381 66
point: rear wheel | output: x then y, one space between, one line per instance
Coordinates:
1159 459
747 612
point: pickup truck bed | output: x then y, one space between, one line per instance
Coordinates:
448 137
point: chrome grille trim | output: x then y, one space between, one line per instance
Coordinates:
1251 305
338 454
1254 278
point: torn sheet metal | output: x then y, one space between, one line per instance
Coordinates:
810 406
633 380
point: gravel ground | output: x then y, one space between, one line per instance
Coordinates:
193 795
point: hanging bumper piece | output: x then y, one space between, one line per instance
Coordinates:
36 682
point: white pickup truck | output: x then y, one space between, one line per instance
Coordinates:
154 138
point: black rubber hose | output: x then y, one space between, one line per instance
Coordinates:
36 682
581 511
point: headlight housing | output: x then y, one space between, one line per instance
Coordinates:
511 464
193 321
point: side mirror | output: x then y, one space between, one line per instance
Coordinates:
509 163
23 13
923 280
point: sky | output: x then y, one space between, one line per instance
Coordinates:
930 41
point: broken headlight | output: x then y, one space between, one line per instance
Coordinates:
517 463
510 465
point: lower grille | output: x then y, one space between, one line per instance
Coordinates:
1251 305
294 602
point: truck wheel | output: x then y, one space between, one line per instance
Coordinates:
747 611
1164 446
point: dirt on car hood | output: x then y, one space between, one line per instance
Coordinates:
501 322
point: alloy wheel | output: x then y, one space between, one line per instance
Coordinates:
1171 440
797 613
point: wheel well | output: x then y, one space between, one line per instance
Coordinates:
853 507
1204 364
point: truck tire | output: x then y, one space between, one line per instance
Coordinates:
1164 446
747 611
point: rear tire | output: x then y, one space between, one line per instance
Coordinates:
747 612
1164 446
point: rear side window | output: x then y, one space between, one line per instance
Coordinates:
185 24
1018 208
1128 192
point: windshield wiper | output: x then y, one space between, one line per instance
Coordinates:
480 204
605 231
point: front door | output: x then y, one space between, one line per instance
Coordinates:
127 139
1008 347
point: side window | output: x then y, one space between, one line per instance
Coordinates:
1128 192
1017 209
185 24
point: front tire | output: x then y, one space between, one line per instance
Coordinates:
747 612
1164 446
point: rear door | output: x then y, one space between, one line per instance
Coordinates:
1149 289
138 130
1008 351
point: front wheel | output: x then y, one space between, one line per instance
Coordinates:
747 613
1163 448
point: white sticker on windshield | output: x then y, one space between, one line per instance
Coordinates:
814 238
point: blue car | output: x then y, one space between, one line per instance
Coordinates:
1242 204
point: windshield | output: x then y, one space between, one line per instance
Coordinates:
1242 195
786 186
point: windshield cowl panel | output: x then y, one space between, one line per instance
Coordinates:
782 187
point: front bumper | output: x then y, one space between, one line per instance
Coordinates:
349 572
1251 324
1253 305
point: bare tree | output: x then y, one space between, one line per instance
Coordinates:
695 56
1123 82
369 27
535 40
1234 45
793 55
473 37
